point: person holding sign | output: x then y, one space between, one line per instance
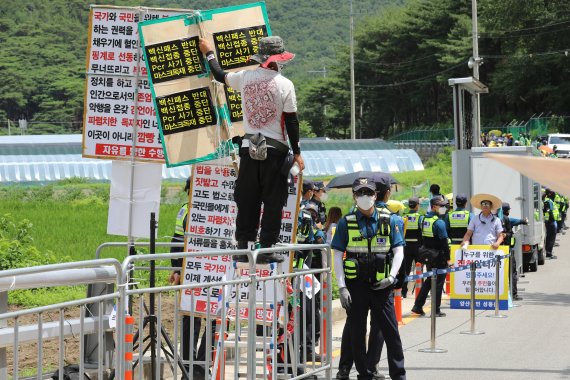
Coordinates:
269 117
371 237
485 228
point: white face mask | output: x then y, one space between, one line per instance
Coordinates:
365 202
442 210
324 197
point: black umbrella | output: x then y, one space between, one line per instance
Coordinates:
346 180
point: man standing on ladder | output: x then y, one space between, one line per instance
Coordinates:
370 238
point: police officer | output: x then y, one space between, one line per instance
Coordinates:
559 204
550 215
313 260
413 220
458 220
308 190
319 197
370 237
508 224
434 236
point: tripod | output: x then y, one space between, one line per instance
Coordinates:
151 320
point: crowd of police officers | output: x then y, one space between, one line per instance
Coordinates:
376 247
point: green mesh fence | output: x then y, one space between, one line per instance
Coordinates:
534 127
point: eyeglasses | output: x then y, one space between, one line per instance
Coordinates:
486 203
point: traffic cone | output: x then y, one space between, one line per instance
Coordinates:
418 280
398 306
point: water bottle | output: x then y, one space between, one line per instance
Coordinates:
295 169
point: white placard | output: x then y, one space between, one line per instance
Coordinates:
211 226
146 198
115 69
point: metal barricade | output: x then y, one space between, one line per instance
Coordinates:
75 321
265 333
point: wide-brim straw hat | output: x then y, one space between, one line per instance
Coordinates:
478 198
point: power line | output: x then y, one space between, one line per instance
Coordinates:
525 29
524 35
396 63
396 84
529 55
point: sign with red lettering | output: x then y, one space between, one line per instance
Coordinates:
118 102
211 227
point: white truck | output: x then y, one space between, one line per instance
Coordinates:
562 143
474 173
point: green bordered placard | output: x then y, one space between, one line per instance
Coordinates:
189 114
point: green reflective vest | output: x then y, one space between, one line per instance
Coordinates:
368 258
458 223
459 219
380 243
412 222
427 226
547 210
179 229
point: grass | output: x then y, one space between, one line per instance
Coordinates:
69 218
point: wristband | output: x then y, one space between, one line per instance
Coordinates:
210 55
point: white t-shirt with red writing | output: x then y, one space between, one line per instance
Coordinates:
265 95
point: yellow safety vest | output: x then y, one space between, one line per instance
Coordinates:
459 219
412 222
427 226
179 229
362 253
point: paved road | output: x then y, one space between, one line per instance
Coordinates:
532 343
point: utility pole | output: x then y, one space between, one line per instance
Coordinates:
476 61
352 95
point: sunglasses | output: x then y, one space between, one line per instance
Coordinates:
486 203
364 192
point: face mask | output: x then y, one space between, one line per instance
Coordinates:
442 210
365 202
324 197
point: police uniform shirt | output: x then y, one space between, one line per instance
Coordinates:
515 222
485 229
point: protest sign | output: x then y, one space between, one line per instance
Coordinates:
460 296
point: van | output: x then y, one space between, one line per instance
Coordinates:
562 143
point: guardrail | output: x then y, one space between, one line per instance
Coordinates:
291 312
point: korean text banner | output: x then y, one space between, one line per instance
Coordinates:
211 227
119 116
196 116
485 277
